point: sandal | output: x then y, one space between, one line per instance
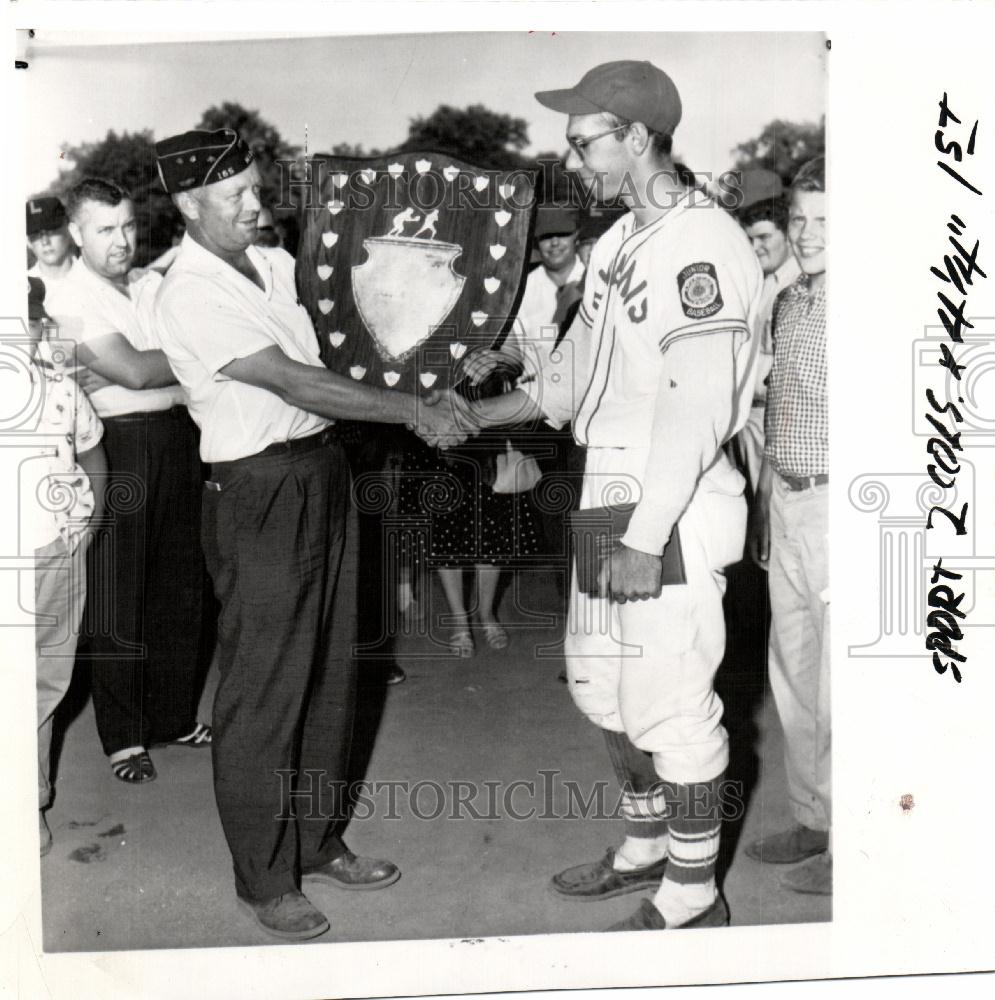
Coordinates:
461 643
496 636
136 769
199 737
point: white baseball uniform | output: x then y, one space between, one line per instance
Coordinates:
669 374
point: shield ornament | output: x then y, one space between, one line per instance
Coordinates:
409 261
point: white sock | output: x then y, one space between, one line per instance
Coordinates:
680 902
124 754
640 852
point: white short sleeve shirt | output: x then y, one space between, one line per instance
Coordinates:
210 315
85 308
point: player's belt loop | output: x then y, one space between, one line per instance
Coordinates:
798 483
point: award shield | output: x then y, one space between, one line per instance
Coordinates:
409 261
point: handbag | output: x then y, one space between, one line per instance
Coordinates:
515 472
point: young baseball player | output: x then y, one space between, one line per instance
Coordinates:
788 537
656 373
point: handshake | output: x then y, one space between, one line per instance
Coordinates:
445 419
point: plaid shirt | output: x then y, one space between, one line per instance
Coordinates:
797 420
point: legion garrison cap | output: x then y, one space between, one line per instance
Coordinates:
631 89
196 158
44 214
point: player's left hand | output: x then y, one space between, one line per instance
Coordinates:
630 575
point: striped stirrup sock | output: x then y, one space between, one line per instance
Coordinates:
644 804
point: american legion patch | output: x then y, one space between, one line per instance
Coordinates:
699 290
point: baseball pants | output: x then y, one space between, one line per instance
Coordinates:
646 668
798 659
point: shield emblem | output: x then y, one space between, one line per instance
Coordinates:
411 260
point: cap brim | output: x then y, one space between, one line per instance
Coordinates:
567 102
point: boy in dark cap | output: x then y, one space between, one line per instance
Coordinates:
47 229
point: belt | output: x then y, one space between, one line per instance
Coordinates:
798 483
295 446
141 416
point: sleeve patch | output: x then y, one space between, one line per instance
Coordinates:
699 290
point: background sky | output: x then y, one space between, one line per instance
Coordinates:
363 89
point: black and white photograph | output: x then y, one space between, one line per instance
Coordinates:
422 533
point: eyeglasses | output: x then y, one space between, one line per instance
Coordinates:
578 143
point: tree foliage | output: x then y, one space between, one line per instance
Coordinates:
783 147
261 137
127 159
476 134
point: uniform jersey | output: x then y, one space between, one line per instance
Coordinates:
689 273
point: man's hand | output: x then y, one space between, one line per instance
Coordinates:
444 420
630 575
758 529
89 381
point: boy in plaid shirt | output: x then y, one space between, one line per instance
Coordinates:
789 538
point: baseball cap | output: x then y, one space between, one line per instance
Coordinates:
43 214
552 219
759 185
196 158
636 90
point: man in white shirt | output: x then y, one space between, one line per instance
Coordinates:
49 240
275 507
146 588
656 374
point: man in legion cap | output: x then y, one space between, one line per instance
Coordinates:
274 517
656 374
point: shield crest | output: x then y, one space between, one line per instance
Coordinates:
410 261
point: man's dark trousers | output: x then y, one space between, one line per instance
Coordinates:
273 533
143 628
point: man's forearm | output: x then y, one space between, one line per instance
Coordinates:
152 371
331 395
510 408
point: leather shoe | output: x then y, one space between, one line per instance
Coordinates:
599 880
350 872
815 877
649 918
290 917
789 846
